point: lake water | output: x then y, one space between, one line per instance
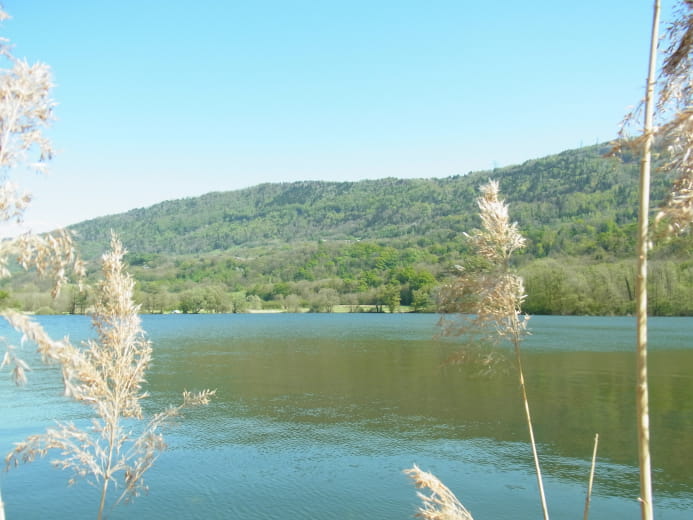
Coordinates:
316 416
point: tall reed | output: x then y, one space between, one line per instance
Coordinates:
642 391
486 297
667 125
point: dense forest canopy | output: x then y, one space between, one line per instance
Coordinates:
391 242
559 193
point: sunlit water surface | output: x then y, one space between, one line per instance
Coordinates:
316 416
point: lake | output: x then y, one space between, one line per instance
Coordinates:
316 416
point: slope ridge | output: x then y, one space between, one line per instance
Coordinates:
546 193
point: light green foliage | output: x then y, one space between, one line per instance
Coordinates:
238 302
391 297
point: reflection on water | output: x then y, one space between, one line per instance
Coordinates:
316 416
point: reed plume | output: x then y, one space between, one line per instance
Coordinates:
487 297
674 109
107 374
26 111
669 95
440 503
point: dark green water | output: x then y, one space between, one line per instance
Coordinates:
316 416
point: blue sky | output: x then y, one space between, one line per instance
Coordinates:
166 99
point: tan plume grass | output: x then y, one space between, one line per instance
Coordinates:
677 211
440 503
487 294
486 298
26 110
498 238
666 124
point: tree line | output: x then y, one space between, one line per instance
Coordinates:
369 276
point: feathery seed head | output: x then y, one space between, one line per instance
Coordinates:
440 503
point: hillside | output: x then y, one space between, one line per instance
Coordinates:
552 198
390 242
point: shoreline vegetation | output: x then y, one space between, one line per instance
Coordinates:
240 303
339 309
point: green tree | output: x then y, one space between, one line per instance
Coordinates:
324 300
292 303
238 302
391 297
421 300
78 300
192 301
4 299
215 300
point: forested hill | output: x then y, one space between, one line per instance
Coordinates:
382 244
576 202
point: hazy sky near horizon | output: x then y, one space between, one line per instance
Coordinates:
164 99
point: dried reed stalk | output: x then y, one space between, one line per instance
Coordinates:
591 479
441 503
668 125
642 396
